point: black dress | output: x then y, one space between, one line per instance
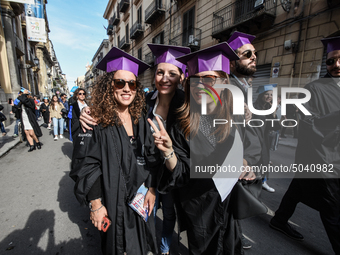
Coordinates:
45 110
96 155
30 111
211 228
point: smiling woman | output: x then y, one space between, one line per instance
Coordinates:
116 159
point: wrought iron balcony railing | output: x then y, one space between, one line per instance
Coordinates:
124 43
154 10
136 30
149 59
124 5
254 14
115 19
189 38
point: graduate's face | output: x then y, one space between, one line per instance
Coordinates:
125 96
245 66
167 78
81 95
267 97
196 91
334 69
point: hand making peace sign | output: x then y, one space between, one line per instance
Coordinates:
162 139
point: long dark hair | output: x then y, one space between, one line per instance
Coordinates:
189 114
259 102
52 103
104 106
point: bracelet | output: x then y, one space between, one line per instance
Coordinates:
90 204
169 156
97 209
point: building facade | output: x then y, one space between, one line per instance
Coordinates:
25 63
288 33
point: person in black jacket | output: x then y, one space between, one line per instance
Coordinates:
80 102
29 123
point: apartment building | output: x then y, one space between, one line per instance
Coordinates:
287 33
23 62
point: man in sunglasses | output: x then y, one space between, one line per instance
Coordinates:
318 147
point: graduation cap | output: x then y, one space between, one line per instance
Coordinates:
264 88
117 59
23 89
239 39
332 43
168 54
214 58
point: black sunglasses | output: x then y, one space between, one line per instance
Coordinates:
249 53
209 80
81 94
331 61
120 83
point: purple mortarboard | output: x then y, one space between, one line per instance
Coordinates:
332 43
168 54
117 59
214 58
239 39
264 88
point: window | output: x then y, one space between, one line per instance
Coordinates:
140 53
127 36
139 15
159 39
188 25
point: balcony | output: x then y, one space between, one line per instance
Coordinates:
19 46
149 59
124 5
115 19
109 30
124 43
249 16
189 38
154 11
136 30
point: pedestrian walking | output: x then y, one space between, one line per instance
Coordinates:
112 162
318 146
56 117
2 118
264 102
29 120
45 110
80 102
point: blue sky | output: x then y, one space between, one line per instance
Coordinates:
76 33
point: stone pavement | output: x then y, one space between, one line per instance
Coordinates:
8 142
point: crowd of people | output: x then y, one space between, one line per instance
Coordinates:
137 151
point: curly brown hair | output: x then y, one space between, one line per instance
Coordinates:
104 106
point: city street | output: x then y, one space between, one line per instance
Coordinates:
40 215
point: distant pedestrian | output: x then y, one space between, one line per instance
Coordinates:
80 102
37 106
56 117
2 118
45 110
29 123
64 101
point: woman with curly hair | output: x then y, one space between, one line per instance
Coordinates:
117 159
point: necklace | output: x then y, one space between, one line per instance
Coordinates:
122 119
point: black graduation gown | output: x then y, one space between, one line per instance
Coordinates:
75 125
319 143
251 136
30 111
45 110
211 228
96 154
